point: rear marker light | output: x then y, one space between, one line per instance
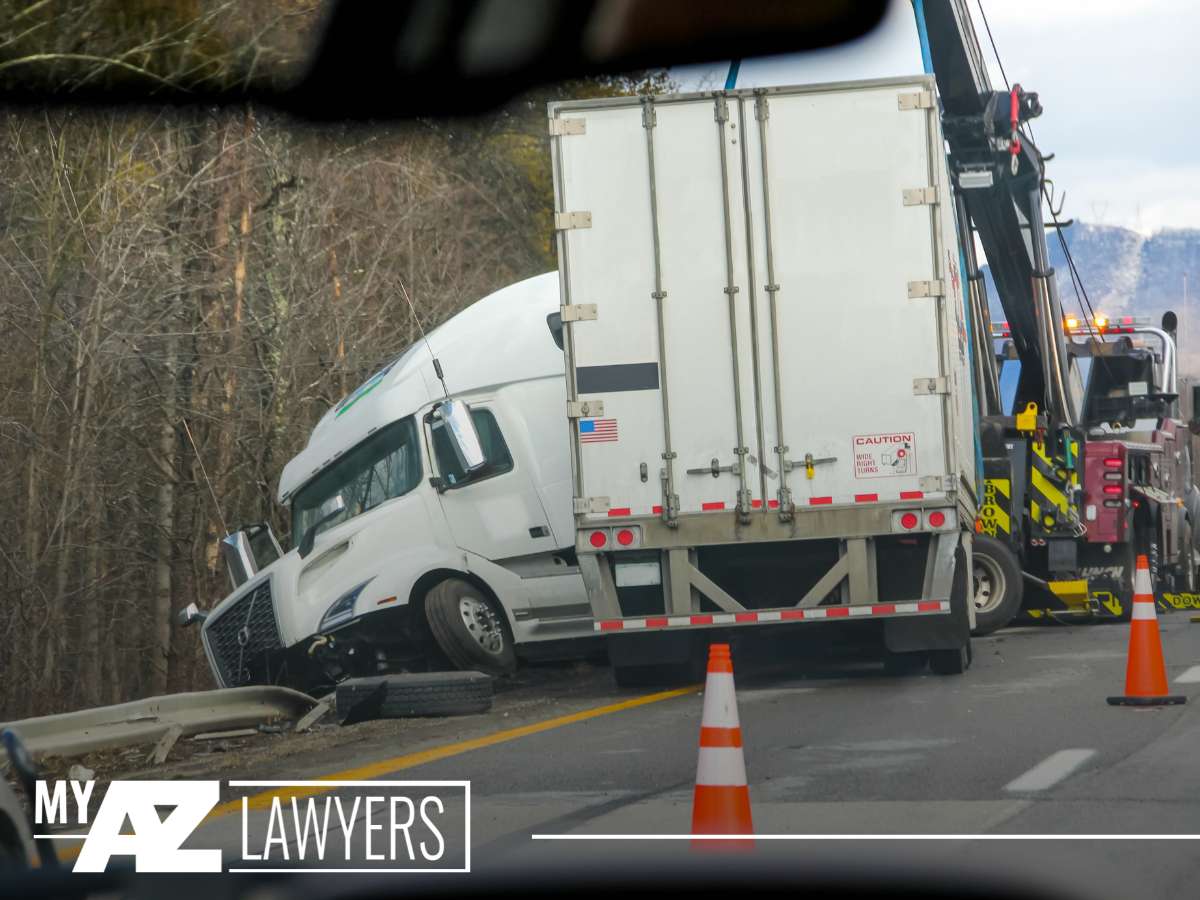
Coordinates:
598 539
937 519
1112 462
624 537
909 520
1113 489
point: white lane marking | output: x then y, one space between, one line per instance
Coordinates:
1190 676
1050 771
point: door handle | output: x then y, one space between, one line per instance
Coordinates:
715 468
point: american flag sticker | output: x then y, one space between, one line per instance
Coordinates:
595 431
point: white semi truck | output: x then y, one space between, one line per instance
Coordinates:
431 520
768 380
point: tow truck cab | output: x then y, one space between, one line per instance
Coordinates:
1136 473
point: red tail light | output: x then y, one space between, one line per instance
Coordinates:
1112 462
598 539
909 520
1113 489
624 537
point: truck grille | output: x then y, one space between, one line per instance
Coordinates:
244 638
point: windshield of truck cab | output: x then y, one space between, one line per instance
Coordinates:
385 465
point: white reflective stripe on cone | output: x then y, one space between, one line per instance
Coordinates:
1143 609
1141 582
721 767
720 705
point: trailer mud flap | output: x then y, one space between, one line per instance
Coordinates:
948 632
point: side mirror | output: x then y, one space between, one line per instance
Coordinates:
1170 322
332 508
464 439
191 615
248 550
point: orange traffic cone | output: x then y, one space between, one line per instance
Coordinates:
721 804
1145 672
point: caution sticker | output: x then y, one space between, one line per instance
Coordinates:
884 455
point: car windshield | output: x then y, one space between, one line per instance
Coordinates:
385 465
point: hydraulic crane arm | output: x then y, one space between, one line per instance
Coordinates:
997 172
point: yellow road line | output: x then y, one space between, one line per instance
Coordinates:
409 760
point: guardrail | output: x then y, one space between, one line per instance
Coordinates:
162 719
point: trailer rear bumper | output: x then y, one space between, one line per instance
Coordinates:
775 616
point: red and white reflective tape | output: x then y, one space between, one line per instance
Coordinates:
913 607
721 505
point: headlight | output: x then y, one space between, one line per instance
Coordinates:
343 608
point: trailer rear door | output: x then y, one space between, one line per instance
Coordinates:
758 260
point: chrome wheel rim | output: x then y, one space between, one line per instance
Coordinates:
990 583
482 624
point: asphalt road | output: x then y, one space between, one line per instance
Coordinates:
1023 744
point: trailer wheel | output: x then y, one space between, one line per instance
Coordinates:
469 627
912 662
997 584
950 662
956 660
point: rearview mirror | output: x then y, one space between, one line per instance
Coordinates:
464 439
331 508
248 550
190 615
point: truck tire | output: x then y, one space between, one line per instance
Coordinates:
416 694
912 662
996 583
950 662
956 660
469 627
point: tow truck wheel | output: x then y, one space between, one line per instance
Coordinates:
997 584
469 628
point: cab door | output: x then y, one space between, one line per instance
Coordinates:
493 512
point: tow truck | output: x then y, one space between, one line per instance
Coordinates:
1086 459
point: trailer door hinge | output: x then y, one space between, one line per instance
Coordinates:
916 100
923 386
923 196
561 127
917 289
578 312
566 220
762 112
587 505
584 409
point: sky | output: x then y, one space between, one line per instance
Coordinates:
1119 81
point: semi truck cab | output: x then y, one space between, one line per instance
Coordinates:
405 554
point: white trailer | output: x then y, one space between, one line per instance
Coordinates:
403 555
769 391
